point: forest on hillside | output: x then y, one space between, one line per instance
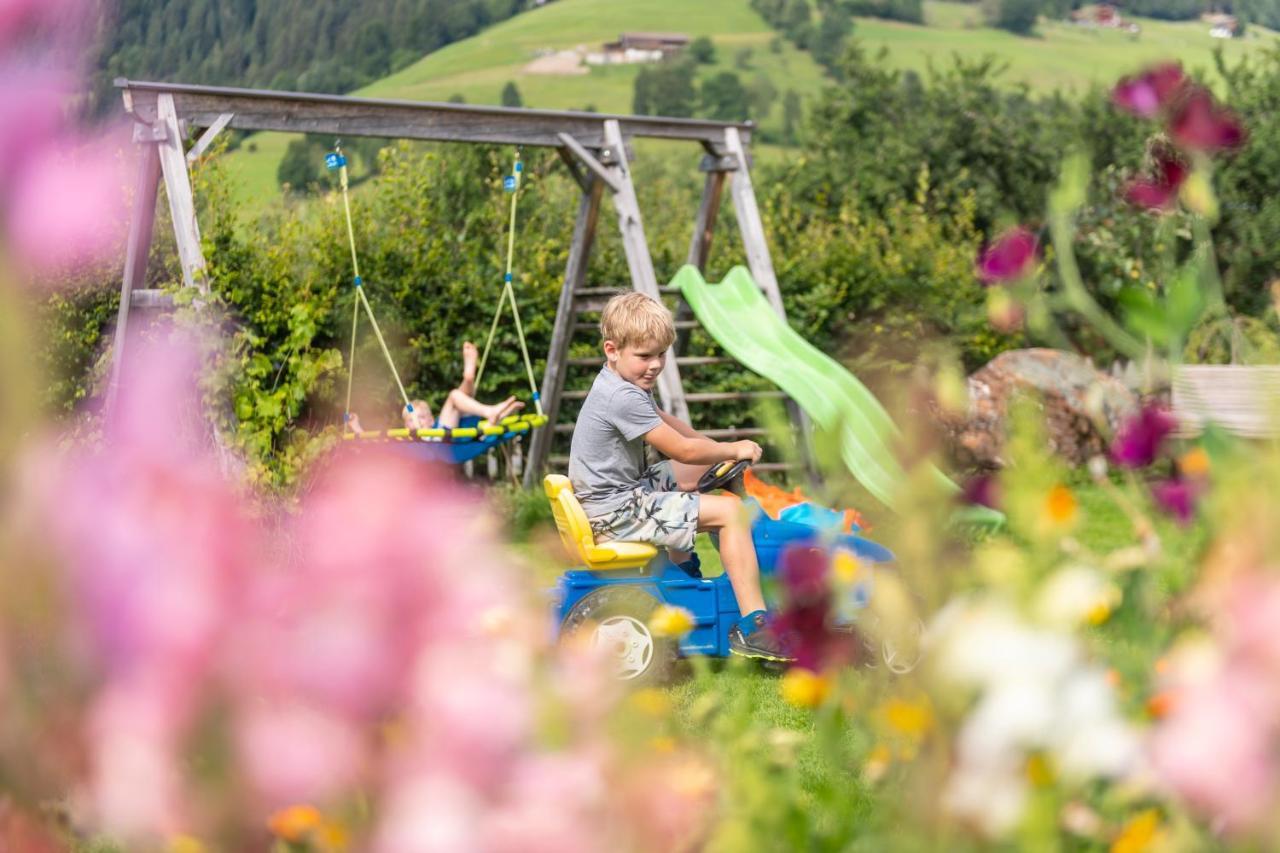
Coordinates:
302 45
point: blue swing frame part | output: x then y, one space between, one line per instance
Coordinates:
472 437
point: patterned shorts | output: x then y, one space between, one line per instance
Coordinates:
656 512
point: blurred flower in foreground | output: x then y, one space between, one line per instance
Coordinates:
63 193
670 621
1219 745
982 490
1138 441
1009 258
1177 497
804 622
1160 191
1036 694
804 688
1146 94
1198 123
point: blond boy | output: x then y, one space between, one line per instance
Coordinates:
626 501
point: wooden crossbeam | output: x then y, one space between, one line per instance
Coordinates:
338 115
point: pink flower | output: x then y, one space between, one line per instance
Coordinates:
1198 123
1147 93
292 753
1216 747
1161 191
67 204
1009 258
1177 498
1138 441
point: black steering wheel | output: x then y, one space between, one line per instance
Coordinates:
724 475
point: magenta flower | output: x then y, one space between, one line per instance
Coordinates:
1138 441
1198 123
1161 191
1177 498
805 621
1147 93
982 490
1009 258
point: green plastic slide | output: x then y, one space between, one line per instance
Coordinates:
736 313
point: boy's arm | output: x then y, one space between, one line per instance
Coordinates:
696 449
680 426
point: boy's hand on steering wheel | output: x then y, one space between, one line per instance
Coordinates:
746 450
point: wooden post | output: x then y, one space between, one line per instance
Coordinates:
749 222
575 274
700 245
643 278
761 265
177 185
141 228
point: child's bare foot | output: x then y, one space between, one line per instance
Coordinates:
353 423
498 411
469 358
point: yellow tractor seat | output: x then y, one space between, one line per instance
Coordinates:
575 532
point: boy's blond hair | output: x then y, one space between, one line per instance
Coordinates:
632 319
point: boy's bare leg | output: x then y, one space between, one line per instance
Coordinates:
458 404
470 357
738 553
687 476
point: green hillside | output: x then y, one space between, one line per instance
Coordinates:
1063 56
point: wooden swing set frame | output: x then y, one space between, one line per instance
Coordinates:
594 147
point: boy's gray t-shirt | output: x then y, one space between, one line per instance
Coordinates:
606 457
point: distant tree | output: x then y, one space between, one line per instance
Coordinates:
792 115
742 58
457 98
725 98
666 89
775 44
829 39
1016 16
761 94
302 168
703 50
511 95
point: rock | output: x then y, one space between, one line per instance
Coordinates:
1082 406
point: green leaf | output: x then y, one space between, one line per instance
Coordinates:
1144 314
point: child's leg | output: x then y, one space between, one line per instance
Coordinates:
671 476
458 404
725 513
469 359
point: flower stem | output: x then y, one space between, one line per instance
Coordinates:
1078 297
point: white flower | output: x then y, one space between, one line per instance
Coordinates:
1074 595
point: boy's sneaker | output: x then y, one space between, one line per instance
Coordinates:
760 643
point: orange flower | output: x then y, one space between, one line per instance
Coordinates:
1060 506
295 823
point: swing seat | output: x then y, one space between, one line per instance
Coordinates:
471 438
575 532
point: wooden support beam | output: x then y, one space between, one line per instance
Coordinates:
182 207
585 157
754 241
575 273
206 138
639 262
141 227
575 171
337 115
700 246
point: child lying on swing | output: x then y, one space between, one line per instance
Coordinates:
457 404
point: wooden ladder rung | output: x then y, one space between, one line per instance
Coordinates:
150 299
717 396
682 360
680 324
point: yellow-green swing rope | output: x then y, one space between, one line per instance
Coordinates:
361 299
508 293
